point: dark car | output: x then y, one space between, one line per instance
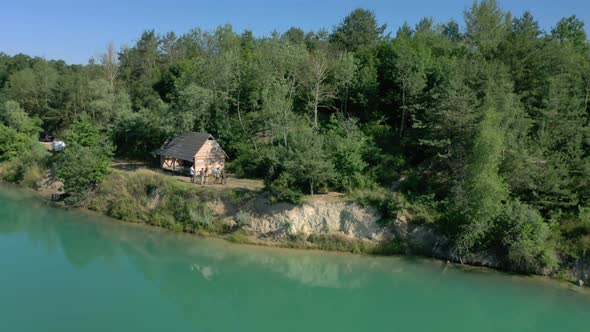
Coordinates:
46 136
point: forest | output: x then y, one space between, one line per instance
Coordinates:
480 128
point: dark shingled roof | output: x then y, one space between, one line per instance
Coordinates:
183 147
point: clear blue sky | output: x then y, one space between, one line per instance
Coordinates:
77 30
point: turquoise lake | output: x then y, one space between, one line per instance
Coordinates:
73 271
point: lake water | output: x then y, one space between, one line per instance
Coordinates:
71 271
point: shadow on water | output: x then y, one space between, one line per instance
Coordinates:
205 277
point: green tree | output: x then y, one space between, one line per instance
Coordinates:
140 70
571 30
486 25
479 200
33 87
86 159
305 161
320 92
345 144
12 143
359 29
526 239
15 117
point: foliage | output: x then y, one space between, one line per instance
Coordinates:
346 144
526 238
12 143
86 159
478 201
148 197
358 29
15 117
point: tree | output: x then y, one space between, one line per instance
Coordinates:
522 51
80 168
450 127
86 159
33 87
571 30
139 69
344 76
406 67
294 35
193 110
305 160
12 143
451 31
105 103
480 197
525 237
486 25
359 29
345 144
319 91
12 115
110 65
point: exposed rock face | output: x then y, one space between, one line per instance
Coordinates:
281 219
581 271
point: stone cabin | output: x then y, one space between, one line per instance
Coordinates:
201 149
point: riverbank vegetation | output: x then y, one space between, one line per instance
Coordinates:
480 129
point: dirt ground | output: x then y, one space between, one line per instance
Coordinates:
232 182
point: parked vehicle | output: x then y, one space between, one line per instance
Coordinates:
46 136
58 145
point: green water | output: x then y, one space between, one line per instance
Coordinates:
69 271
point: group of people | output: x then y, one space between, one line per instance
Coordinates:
218 175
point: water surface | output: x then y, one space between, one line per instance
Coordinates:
71 271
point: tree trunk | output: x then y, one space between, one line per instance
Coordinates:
311 187
401 127
315 105
346 100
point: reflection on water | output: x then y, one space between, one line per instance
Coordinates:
215 285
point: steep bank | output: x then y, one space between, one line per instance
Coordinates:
246 216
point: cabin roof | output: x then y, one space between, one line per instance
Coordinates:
185 146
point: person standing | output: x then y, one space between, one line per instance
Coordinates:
202 174
215 174
192 173
223 177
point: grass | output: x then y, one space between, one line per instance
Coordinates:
240 237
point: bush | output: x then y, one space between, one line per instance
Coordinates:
242 218
525 238
81 168
32 176
239 237
86 159
345 144
281 190
338 242
13 143
28 167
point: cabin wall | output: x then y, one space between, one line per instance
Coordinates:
210 156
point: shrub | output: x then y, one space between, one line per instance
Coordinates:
281 190
32 176
336 242
525 238
240 237
242 218
81 168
